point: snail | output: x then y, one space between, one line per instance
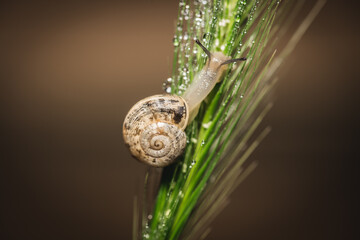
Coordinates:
154 127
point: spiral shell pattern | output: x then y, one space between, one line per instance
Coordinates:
154 129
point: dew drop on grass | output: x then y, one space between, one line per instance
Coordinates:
168 90
237 84
206 125
184 168
202 143
175 41
167 212
167 85
223 22
182 87
172 185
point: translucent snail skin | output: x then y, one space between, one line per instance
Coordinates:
154 127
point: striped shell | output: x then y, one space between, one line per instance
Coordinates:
154 129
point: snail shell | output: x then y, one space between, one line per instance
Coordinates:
154 129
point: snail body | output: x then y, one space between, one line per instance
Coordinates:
154 127
204 82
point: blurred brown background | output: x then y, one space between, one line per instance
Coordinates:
69 73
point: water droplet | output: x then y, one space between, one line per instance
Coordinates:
182 87
202 143
175 41
206 125
223 22
184 168
193 162
167 213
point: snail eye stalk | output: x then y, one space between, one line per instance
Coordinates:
233 60
204 48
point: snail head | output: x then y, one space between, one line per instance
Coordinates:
218 58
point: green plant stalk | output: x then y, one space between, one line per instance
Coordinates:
236 28
189 205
